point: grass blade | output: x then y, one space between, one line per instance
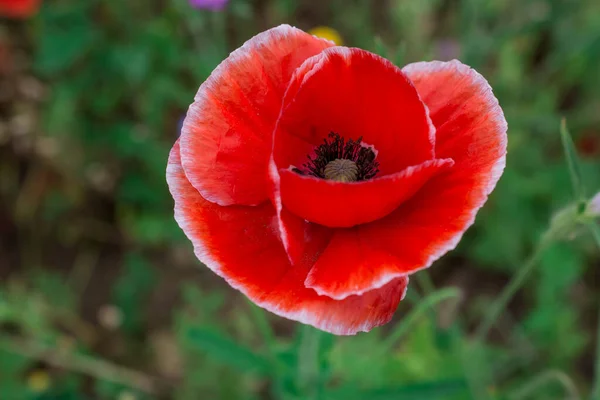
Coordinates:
572 161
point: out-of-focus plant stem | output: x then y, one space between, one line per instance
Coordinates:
572 161
309 363
543 379
562 224
425 282
595 229
477 387
269 338
264 328
427 286
509 291
423 307
82 364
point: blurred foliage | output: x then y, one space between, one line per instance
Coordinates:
101 296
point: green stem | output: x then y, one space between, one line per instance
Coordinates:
595 230
427 286
572 161
269 339
308 362
423 307
82 364
543 379
475 371
425 282
264 328
218 30
509 291
82 271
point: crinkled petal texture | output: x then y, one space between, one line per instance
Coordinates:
242 245
356 94
470 130
227 134
335 255
340 204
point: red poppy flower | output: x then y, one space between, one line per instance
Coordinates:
18 8
316 178
588 144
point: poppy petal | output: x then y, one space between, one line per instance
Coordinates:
341 204
242 245
470 129
298 234
226 137
352 264
355 94
18 8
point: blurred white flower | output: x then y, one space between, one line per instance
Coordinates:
110 317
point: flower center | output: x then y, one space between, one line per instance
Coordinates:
340 160
341 170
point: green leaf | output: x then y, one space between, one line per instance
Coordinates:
133 289
55 290
380 48
572 161
418 391
65 37
228 351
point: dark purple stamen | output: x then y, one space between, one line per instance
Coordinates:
336 148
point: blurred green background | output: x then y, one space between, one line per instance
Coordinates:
101 296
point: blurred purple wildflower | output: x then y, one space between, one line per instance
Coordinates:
447 49
594 205
214 5
180 125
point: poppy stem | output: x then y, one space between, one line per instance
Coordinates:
595 229
562 225
270 342
425 282
596 386
424 306
83 364
427 287
309 363
542 380
572 161
513 286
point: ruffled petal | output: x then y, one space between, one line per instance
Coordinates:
227 134
353 264
341 204
471 130
355 94
241 244
297 235
470 125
